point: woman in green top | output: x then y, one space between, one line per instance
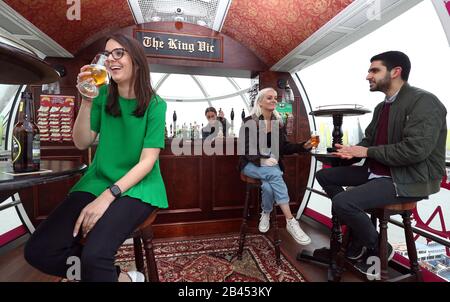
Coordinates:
122 186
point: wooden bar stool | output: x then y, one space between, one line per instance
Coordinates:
144 234
383 214
252 183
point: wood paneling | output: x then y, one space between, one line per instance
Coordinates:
228 188
180 173
205 190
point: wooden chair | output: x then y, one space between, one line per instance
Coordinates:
144 235
252 183
383 214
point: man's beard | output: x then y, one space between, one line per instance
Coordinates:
383 85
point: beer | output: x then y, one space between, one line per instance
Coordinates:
98 74
315 140
26 146
88 85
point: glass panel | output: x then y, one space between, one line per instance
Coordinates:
424 42
431 255
180 86
155 77
183 88
426 45
7 94
216 86
243 83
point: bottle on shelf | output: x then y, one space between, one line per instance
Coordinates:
289 123
26 145
196 131
174 119
184 131
165 130
232 122
178 131
289 94
220 115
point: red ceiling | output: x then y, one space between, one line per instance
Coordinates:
270 28
96 17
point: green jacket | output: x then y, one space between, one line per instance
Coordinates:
415 151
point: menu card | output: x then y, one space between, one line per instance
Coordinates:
55 117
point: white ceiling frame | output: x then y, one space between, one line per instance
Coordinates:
390 10
136 11
33 33
222 11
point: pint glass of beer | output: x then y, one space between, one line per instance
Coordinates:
315 140
88 86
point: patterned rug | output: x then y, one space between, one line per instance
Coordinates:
215 260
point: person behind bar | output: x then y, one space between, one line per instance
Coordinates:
264 138
404 147
122 186
217 124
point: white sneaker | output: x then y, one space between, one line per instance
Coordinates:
136 276
264 222
293 228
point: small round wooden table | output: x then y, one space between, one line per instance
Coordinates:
51 171
338 115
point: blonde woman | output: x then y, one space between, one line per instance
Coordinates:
265 139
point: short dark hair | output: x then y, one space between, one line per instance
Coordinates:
210 109
393 59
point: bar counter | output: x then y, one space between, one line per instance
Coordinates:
205 192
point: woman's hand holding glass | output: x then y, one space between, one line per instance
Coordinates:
93 76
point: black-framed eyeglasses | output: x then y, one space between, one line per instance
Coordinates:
116 53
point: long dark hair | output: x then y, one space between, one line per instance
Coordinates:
140 78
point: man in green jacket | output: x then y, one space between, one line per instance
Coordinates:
404 147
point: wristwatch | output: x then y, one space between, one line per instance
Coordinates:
115 190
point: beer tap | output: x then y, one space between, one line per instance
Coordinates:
174 118
232 122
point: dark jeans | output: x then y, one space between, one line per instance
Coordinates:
53 243
365 194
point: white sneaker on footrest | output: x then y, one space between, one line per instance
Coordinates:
264 222
136 276
293 228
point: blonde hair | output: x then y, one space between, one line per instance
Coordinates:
256 110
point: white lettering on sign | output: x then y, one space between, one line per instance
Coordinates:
205 46
175 44
152 42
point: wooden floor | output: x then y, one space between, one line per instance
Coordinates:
14 268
